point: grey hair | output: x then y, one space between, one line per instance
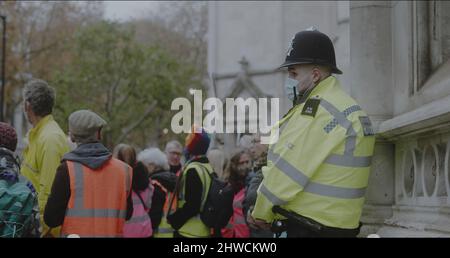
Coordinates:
155 156
40 96
84 139
173 144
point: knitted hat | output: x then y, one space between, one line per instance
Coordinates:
197 142
8 136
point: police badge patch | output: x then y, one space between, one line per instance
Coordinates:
310 107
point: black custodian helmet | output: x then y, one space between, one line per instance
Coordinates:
311 47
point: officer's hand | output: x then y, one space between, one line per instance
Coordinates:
262 224
257 223
251 222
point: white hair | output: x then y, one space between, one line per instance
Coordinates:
155 156
173 145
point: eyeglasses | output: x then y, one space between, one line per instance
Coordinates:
175 153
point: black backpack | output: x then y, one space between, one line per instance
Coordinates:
218 207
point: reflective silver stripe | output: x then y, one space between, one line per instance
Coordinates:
344 122
289 170
237 204
340 118
334 191
332 124
97 213
139 219
350 143
136 200
270 196
349 161
351 109
79 186
316 188
239 220
164 230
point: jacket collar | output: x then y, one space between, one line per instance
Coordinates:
323 86
44 121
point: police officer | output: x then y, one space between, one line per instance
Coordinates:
318 170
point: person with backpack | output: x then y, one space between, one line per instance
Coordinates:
140 224
236 173
91 194
194 183
19 209
163 181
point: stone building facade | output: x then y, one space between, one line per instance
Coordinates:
395 56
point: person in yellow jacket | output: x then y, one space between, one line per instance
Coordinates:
194 183
318 170
46 143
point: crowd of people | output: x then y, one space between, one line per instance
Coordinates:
91 191
309 183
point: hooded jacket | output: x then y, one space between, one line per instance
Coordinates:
93 155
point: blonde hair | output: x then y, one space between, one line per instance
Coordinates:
217 160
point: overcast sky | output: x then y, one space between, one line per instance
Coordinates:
125 10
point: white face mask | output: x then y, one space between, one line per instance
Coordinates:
290 85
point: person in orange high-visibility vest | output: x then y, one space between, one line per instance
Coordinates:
164 229
90 195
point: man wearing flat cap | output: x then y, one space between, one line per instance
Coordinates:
90 196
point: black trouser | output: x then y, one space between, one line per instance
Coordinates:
177 235
295 230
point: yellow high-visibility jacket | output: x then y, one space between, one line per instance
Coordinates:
319 167
195 227
47 143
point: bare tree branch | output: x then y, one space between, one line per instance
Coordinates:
129 129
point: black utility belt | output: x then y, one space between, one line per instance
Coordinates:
320 228
298 221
